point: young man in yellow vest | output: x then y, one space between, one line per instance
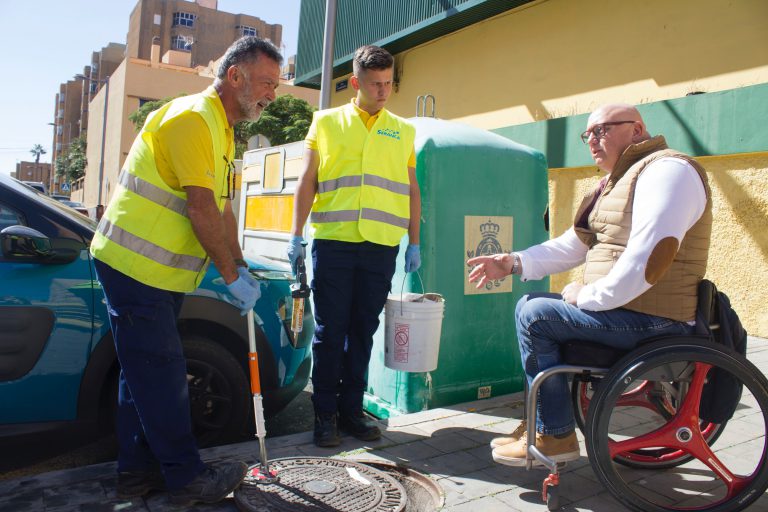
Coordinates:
359 181
643 234
170 215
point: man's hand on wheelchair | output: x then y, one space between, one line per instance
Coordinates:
488 268
571 292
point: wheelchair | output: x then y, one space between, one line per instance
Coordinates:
646 440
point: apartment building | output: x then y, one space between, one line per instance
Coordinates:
197 28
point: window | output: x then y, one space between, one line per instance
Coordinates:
142 101
58 146
94 86
59 130
183 19
181 43
248 31
8 217
158 19
62 97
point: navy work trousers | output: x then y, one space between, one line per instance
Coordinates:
350 286
153 414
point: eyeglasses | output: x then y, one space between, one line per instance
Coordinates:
231 177
599 130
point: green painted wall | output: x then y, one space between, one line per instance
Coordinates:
719 123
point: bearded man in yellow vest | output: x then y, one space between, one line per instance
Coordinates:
359 181
170 215
643 234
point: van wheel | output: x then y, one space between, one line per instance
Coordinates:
218 391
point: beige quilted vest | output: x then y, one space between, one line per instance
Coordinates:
603 222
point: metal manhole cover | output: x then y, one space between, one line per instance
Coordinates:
318 484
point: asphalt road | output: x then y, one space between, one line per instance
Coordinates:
296 417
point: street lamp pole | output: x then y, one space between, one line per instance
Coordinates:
103 142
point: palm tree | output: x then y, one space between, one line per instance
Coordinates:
37 150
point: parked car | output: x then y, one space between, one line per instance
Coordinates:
58 370
37 185
78 207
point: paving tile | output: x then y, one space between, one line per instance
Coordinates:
453 464
405 434
22 501
412 451
472 485
134 505
481 435
486 504
73 494
451 443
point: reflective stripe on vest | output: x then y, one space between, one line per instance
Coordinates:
148 249
353 215
368 179
152 192
387 218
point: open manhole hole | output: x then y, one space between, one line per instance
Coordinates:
334 485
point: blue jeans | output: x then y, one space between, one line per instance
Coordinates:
350 286
154 426
544 321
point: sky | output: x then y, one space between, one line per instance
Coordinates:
44 43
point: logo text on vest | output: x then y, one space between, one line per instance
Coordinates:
387 132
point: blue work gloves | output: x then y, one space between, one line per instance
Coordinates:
295 250
244 290
412 258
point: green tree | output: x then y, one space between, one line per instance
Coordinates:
71 163
37 150
139 117
286 119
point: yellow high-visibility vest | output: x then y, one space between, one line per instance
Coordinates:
145 232
363 186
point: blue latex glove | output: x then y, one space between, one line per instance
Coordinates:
245 274
412 258
244 293
295 250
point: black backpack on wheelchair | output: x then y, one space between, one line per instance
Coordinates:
721 394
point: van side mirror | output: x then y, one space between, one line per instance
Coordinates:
23 244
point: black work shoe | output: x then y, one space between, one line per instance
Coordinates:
132 484
326 432
356 425
212 485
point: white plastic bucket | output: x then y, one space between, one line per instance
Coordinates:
412 331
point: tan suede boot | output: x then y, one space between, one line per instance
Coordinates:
560 450
521 432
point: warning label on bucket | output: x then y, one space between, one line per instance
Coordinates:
402 339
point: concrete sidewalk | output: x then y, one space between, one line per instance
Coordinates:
449 444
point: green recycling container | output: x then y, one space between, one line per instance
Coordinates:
481 194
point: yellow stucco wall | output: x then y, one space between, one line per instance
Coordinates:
555 58
738 257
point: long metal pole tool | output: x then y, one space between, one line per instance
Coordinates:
264 475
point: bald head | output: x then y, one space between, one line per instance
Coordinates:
611 129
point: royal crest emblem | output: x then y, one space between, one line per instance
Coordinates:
493 239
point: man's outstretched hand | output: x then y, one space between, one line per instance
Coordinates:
488 268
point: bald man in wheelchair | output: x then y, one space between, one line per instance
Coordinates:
643 234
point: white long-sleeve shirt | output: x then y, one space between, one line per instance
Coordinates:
669 199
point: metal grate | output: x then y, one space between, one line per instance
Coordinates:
319 484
